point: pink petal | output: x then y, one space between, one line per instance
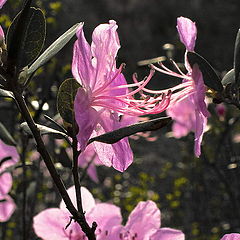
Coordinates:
201 123
199 96
183 114
51 223
201 111
7 207
89 155
187 32
82 69
8 151
168 234
119 155
105 45
1 33
106 216
86 117
2 2
5 183
84 160
231 236
88 201
144 220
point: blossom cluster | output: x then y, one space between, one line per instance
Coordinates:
105 102
143 223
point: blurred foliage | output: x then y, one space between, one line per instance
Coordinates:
199 196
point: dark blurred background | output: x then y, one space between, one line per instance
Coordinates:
199 196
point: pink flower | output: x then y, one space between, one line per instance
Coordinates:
6 178
105 97
231 236
2 2
189 113
7 206
221 110
56 219
144 224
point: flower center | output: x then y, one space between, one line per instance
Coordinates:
128 236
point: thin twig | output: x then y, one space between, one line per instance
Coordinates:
24 186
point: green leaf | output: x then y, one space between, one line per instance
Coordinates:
6 94
117 135
26 37
44 130
210 77
5 136
55 123
236 63
53 49
229 78
65 99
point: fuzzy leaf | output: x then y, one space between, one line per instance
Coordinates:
6 94
26 37
65 99
236 63
53 49
117 135
5 136
44 130
229 78
210 77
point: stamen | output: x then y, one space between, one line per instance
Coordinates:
177 67
104 86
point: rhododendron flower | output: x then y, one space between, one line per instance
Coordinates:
7 207
6 152
231 236
105 96
190 113
56 219
2 2
8 157
143 223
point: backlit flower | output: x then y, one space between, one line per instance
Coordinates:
189 113
105 100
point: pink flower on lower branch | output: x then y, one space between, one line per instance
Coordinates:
143 223
231 236
8 158
56 219
189 113
105 96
